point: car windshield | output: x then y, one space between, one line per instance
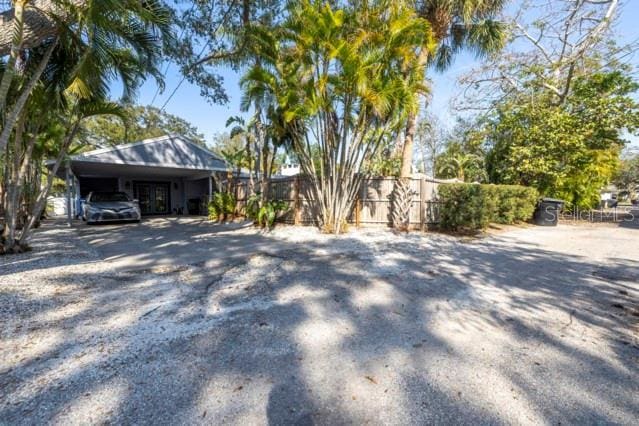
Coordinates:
104 197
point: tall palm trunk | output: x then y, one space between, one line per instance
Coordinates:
265 175
402 193
13 191
251 184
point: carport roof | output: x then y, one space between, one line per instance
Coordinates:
169 152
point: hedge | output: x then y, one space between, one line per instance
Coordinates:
473 207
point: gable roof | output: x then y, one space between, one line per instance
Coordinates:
172 151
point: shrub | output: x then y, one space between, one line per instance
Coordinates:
473 207
222 206
253 206
265 215
514 203
269 212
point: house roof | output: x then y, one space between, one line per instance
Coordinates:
170 151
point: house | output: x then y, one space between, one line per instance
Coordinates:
167 175
289 168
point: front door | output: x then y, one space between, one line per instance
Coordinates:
154 197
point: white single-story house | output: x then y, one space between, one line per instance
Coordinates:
167 175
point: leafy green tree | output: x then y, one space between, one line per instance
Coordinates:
627 177
140 122
464 155
226 141
569 151
218 34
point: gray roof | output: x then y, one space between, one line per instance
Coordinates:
171 151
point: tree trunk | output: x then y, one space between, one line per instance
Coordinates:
41 199
402 194
11 207
411 125
13 115
251 185
409 143
264 174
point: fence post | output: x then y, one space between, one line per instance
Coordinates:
422 204
358 206
296 200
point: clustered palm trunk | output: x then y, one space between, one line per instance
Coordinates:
343 80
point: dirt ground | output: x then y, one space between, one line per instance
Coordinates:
188 322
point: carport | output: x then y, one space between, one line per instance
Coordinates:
167 175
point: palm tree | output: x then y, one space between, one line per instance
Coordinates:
457 164
241 129
269 128
80 111
339 80
72 73
96 41
456 25
31 22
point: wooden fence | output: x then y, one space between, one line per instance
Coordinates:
372 205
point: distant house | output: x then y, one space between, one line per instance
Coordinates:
289 168
169 174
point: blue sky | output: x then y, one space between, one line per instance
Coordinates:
211 119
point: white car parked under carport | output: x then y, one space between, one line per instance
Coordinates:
103 207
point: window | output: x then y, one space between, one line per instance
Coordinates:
106 197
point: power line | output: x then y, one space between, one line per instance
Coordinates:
168 65
198 58
182 79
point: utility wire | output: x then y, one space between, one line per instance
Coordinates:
168 65
182 79
199 57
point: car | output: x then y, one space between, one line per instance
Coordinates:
101 207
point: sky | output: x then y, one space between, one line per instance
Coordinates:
211 119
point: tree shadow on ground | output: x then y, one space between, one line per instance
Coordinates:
337 332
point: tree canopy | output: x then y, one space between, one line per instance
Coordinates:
137 123
568 151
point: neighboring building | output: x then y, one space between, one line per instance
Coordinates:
167 175
609 196
289 168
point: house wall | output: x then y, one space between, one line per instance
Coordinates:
196 188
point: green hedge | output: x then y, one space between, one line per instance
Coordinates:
473 207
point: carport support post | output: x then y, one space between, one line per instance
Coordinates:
68 179
210 189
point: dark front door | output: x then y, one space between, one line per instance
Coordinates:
154 197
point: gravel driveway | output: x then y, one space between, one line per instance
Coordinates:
529 326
